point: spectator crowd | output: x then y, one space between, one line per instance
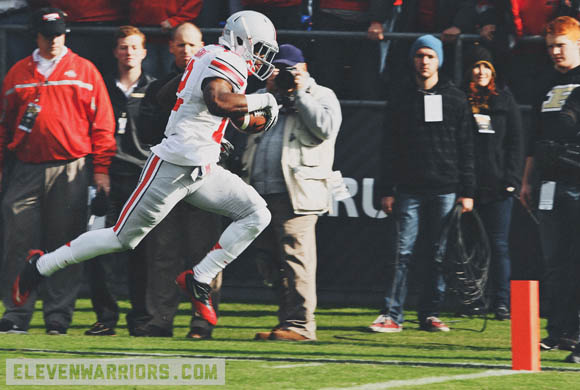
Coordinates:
442 145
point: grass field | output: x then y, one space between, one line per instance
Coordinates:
346 355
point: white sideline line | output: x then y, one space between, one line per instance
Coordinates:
428 380
289 359
297 365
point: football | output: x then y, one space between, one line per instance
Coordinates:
251 122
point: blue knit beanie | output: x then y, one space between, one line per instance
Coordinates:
428 41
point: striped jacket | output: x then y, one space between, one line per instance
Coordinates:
75 119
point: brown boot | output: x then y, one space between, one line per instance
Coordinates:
262 336
287 335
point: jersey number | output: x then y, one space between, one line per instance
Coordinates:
186 75
219 133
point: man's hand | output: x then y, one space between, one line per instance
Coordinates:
375 32
301 77
467 204
102 182
165 25
487 31
387 204
526 195
450 34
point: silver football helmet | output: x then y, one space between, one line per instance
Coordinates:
253 36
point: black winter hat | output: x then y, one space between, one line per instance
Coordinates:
479 54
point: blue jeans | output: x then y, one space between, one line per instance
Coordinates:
560 236
409 211
496 218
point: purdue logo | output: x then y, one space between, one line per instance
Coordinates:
557 97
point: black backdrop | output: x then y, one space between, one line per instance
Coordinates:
355 241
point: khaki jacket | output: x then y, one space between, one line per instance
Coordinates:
308 149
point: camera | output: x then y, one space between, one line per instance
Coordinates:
285 79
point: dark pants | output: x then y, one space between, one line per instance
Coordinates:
105 273
496 218
291 240
179 242
44 205
560 236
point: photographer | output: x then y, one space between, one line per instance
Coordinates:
558 187
290 166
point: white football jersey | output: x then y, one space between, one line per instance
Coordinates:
193 133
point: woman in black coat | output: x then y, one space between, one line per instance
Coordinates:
498 165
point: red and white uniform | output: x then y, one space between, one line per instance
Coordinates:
183 168
193 133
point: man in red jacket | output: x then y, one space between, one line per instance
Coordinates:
56 113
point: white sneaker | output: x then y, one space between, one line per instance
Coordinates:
434 324
385 324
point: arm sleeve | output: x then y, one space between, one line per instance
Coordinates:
230 67
322 116
102 126
167 94
152 120
188 10
514 145
465 152
569 118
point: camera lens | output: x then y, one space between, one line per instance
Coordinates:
285 79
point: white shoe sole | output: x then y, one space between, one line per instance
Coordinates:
380 329
15 332
439 330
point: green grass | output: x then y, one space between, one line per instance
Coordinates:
346 353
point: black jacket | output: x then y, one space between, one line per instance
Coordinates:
551 122
427 157
153 117
499 155
132 150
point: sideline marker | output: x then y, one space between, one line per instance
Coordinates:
525 322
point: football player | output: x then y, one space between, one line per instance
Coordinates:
183 166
